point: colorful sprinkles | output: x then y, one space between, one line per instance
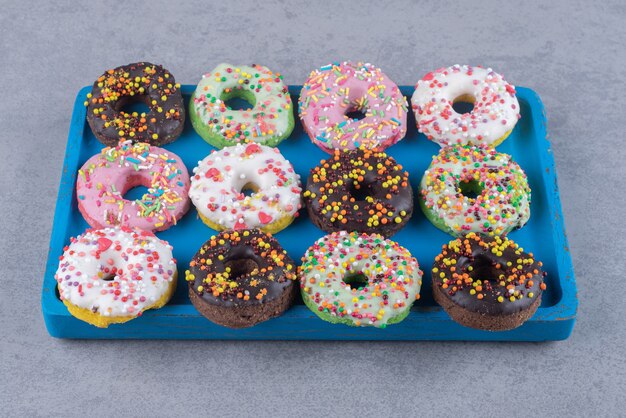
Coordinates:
392 279
475 189
337 89
268 121
219 181
360 190
218 272
116 272
105 177
484 273
495 107
140 82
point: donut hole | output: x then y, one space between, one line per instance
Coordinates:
360 191
463 104
238 100
136 192
135 187
484 269
470 189
133 104
356 280
241 267
249 189
355 114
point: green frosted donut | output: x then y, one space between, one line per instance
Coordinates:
474 188
359 279
268 122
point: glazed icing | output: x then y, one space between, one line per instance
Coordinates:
495 112
394 278
218 181
105 177
115 271
270 118
503 196
336 89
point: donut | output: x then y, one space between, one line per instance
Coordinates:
487 283
359 279
359 190
112 275
220 180
268 122
495 107
240 278
475 189
106 177
132 83
332 92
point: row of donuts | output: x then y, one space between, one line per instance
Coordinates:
328 95
357 190
241 278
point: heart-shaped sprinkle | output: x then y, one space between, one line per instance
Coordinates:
252 148
265 218
213 173
104 244
240 224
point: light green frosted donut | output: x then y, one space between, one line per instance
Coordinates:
268 122
474 188
359 279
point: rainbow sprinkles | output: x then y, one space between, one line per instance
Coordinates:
332 92
106 177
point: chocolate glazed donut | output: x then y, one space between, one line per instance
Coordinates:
487 283
359 190
240 278
133 83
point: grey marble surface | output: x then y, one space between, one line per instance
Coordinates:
571 53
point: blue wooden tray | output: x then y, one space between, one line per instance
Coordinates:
544 235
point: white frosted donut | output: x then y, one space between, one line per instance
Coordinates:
113 274
219 181
495 112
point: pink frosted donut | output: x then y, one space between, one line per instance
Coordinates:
334 90
105 177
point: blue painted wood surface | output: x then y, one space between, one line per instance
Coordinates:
544 235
